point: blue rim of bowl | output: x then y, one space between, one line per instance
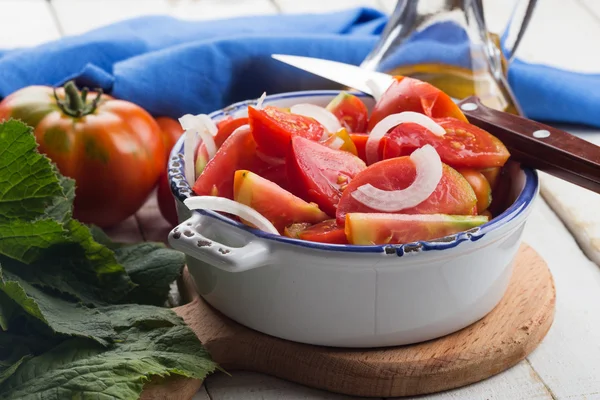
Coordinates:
182 190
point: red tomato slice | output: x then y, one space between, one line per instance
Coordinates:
491 174
350 111
224 121
325 232
383 228
480 186
360 142
318 173
225 128
453 194
237 152
273 127
463 146
275 203
409 94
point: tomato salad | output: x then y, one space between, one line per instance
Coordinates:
414 169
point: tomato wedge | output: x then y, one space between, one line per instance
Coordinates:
237 152
324 232
481 187
273 127
350 111
225 128
360 142
319 174
341 140
409 94
463 146
378 228
275 203
453 194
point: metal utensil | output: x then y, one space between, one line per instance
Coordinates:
531 143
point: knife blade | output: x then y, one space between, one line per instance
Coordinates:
531 143
370 82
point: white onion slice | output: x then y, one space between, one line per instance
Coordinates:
322 115
429 173
392 120
189 148
259 102
225 205
200 125
337 143
209 124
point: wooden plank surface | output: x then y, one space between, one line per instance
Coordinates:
26 23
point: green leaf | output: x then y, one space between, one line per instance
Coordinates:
153 267
61 208
28 182
98 264
83 370
26 240
62 316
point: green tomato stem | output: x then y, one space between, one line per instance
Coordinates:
75 104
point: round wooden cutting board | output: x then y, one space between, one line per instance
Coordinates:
489 346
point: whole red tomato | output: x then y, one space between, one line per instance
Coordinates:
171 131
112 148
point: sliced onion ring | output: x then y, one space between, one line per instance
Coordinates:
259 102
429 173
222 204
189 148
197 127
322 115
337 143
383 126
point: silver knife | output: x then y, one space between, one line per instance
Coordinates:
534 144
370 82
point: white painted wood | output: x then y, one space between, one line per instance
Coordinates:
593 6
567 359
202 394
26 23
253 386
579 209
217 9
79 16
309 6
388 5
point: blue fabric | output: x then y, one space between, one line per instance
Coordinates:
173 67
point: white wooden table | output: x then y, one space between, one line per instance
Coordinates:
564 227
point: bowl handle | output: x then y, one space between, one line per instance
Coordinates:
186 238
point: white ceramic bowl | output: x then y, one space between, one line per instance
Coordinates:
343 295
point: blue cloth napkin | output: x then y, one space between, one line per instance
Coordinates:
173 67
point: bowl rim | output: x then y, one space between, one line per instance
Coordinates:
182 190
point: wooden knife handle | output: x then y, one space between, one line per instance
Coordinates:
539 146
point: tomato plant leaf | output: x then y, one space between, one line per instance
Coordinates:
28 182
